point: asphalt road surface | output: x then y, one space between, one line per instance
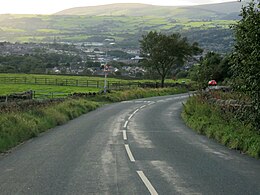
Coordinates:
133 147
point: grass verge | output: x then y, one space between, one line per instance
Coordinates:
19 125
209 120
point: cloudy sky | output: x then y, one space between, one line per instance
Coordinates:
52 6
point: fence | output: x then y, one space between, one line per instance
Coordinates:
41 94
68 82
51 81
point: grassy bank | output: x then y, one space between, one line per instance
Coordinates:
18 125
209 120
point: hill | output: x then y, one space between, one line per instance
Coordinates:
219 10
125 23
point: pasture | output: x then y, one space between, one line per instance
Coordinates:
62 85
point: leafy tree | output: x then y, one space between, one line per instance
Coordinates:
212 66
246 56
164 53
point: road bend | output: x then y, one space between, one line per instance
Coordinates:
133 147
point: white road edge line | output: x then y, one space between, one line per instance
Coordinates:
142 106
124 135
129 153
126 123
147 183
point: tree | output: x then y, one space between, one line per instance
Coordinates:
211 66
164 53
246 57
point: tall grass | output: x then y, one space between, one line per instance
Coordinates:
16 127
209 120
143 93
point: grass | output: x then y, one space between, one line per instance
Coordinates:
19 125
10 81
209 120
14 88
31 77
42 27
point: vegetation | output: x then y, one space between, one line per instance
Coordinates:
242 65
211 66
10 82
44 91
238 128
19 125
164 53
246 58
210 120
38 62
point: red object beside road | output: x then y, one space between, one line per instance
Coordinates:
212 83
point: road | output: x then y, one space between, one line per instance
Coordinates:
133 147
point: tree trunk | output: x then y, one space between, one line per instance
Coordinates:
162 82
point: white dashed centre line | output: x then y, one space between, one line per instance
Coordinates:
142 106
129 153
147 183
124 135
131 116
126 123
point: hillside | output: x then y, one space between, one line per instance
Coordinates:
219 10
126 23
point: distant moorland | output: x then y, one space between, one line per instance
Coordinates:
206 24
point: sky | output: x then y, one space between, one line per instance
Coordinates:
53 6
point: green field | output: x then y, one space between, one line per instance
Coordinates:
64 77
56 90
125 29
44 90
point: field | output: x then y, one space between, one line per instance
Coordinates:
80 28
125 29
60 85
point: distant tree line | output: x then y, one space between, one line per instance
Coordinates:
37 63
